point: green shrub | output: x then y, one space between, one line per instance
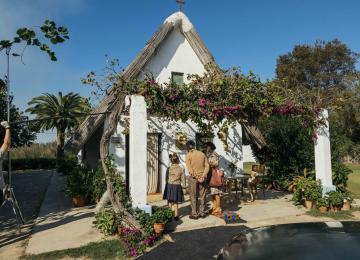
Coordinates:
107 221
347 196
307 189
340 175
79 182
99 183
281 182
145 220
30 164
162 215
68 164
336 198
289 148
119 184
322 202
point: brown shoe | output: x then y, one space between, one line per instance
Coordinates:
202 215
193 217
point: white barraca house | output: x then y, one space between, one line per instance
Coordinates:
174 51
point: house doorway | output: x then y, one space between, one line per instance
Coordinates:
153 163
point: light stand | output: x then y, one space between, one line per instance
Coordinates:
9 191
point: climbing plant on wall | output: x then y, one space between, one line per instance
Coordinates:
217 99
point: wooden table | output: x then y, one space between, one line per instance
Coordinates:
238 179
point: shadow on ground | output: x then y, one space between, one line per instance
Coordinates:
29 188
196 244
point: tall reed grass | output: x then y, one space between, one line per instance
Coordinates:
34 151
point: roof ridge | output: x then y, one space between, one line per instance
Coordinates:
180 18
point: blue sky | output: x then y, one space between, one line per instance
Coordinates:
250 34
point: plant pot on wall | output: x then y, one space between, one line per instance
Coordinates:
159 228
308 204
346 205
323 209
79 201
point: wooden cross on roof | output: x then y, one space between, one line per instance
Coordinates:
180 2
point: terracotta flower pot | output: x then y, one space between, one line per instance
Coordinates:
79 201
308 204
159 227
346 206
323 209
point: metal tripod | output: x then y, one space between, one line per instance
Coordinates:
8 191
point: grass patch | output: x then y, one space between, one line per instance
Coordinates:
339 215
354 179
108 249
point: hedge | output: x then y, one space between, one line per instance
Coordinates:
30 164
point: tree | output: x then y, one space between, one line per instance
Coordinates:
60 112
49 30
328 69
345 127
20 135
323 68
289 146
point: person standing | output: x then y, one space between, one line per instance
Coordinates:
3 149
198 168
175 183
215 178
216 184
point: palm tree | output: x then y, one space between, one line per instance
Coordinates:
60 112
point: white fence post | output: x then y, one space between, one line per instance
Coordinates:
138 152
323 155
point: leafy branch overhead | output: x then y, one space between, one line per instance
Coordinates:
50 31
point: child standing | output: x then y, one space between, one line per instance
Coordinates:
175 183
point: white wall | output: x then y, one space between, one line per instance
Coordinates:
248 154
168 130
174 55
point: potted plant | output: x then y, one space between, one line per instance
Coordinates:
336 200
79 185
312 191
347 201
322 204
293 184
160 217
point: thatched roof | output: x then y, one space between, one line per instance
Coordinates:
178 19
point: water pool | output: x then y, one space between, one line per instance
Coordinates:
296 241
